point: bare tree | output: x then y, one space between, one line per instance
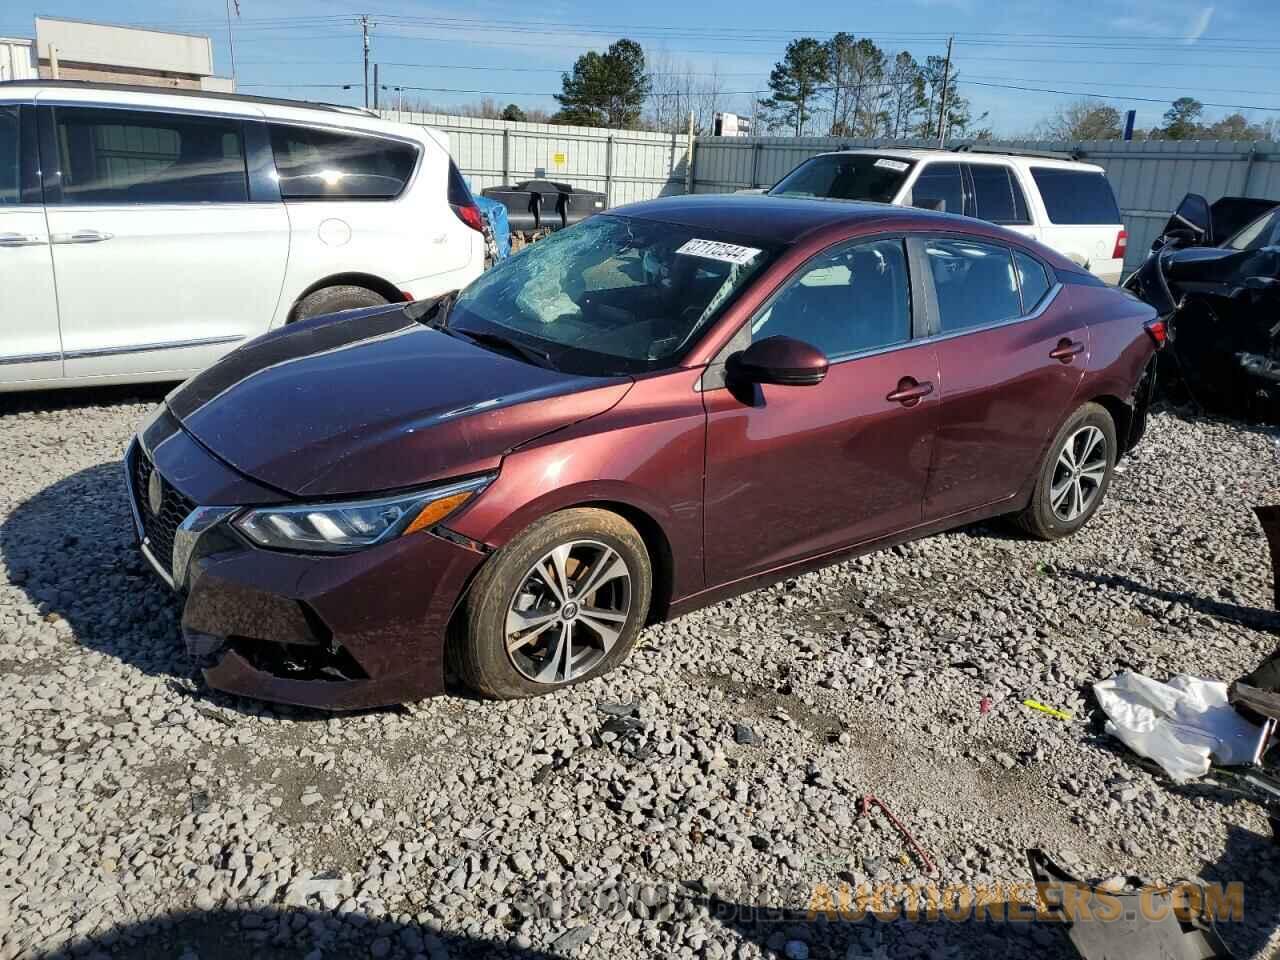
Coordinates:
676 90
905 100
1081 120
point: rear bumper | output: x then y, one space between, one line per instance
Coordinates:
341 632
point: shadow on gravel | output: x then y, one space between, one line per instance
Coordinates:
1255 618
290 934
996 928
36 401
71 549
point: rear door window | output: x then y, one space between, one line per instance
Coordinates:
319 164
974 283
846 301
1076 197
134 156
996 193
940 186
1033 280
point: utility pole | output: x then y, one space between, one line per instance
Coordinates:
375 88
364 29
231 37
942 110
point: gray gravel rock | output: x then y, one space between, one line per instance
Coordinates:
673 808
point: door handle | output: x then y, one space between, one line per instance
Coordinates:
1066 350
21 240
81 236
910 392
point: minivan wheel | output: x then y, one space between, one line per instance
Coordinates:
561 603
1075 475
332 299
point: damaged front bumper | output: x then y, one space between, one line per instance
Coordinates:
337 632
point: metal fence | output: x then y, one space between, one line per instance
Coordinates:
1149 177
626 165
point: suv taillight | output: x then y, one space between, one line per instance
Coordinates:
1122 244
1158 331
469 214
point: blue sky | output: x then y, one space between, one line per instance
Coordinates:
1223 52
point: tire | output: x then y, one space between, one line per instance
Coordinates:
332 299
1042 518
515 586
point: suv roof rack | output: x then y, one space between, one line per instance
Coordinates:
1073 154
181 92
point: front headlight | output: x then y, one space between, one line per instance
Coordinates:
354 525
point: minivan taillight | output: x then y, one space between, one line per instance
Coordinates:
1158 331
1122 244
469 214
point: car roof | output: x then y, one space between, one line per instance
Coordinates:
970 156
123 96
772 219
788 220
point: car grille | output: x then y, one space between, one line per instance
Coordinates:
158 528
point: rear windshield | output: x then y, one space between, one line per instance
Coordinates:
846 176
612 294
1263 232
1076 196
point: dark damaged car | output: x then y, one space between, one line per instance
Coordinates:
660 407
1214 276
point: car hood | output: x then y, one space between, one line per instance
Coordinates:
372 400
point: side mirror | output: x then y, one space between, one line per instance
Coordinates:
779 360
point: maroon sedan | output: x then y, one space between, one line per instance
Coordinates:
653 410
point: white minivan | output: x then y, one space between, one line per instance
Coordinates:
145 232
1066 205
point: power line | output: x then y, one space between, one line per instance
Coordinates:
1077 93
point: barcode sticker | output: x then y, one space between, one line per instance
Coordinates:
887 164
715 250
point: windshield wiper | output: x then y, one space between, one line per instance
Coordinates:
523 350
432 313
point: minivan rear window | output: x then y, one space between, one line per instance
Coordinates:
1076 196
316 164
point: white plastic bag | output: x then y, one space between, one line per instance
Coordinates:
1179 724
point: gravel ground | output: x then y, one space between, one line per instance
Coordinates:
143 816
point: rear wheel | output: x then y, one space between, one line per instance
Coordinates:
561 603
332 299
1075 475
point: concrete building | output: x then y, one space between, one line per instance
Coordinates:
79 50
18 59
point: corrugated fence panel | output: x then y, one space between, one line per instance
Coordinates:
627 165
1149 177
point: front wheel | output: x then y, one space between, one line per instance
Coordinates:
1074 476
561 603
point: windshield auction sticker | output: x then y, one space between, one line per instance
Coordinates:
715 250
884 163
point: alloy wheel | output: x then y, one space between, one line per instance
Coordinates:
568 611
1078 474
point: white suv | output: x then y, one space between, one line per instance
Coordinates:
144 233
1066 205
